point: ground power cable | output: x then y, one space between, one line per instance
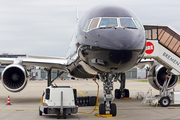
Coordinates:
96 98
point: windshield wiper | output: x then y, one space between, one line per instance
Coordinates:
115 27
131 27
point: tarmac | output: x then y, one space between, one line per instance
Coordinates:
25 104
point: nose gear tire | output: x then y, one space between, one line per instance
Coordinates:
102 109
113 109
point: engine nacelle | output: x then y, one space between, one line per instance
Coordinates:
14 78
157 76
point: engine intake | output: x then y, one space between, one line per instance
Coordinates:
14 78
157 76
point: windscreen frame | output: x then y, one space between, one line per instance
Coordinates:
118 23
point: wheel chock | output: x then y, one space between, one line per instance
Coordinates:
103 115
107 115
127 98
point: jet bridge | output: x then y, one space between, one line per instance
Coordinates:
163 45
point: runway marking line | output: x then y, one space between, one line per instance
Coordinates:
3 91
122 116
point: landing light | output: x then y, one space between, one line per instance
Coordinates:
111 88
106 88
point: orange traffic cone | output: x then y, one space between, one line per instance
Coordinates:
8 101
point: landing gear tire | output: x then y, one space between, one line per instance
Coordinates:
58 114
102 109
40 112
64 113
126 93
117 94
113 109
165 101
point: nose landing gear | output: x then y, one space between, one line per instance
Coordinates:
107 106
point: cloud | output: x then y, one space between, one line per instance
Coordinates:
45 27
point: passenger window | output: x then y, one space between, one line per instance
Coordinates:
86 25
94 23
108 22
127 23
138 24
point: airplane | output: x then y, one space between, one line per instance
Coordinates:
108 41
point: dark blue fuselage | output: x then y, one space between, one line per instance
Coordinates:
106 49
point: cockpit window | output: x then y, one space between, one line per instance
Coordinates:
86 25
108 22
138 24
94 23
105 23
127 23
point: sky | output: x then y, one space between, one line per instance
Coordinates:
45 27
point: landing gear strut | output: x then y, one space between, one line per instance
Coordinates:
49 81
121 92
107 106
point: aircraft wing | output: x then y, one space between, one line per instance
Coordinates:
48 62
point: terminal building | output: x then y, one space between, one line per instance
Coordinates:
134 73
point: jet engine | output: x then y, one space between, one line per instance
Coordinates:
157 76
14 78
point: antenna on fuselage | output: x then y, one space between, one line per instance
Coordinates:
77 19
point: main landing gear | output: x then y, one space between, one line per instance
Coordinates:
121 92
107 106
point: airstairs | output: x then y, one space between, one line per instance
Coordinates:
163 45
